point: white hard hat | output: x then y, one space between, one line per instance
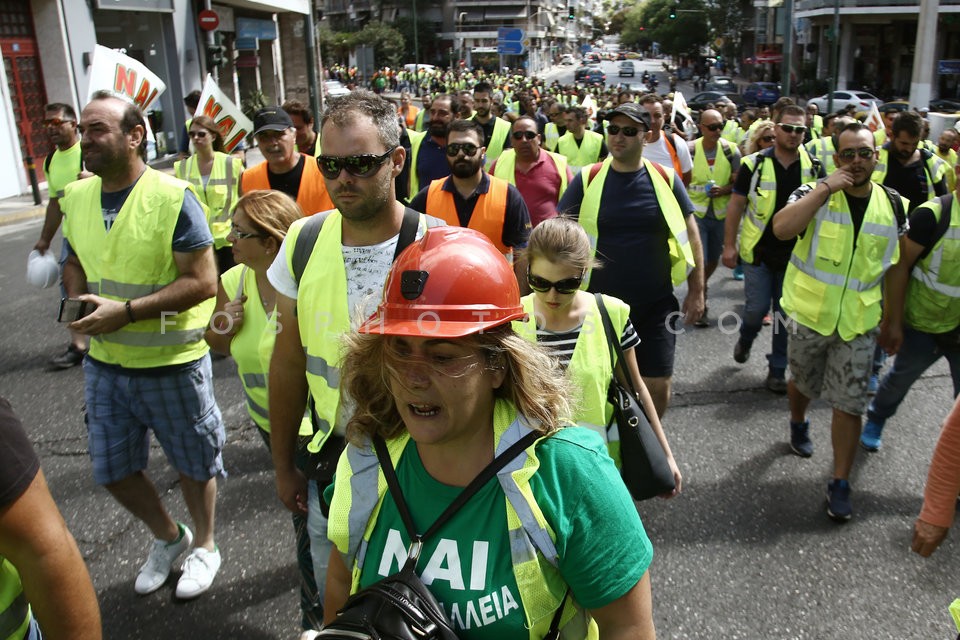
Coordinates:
42 269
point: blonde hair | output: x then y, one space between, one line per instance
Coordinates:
753 143
271 212
533 382
561 240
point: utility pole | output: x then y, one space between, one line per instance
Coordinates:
834 55
787 48
922 76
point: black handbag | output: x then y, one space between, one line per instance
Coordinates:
644 467
400 607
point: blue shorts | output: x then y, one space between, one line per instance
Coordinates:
178 407
711 237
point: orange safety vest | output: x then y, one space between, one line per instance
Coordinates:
312 195
672 149
488 212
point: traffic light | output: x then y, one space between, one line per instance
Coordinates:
572 15
673 14
216 51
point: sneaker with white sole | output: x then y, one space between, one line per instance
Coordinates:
156 569
199 570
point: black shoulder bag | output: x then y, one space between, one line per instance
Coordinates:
400 607
643 462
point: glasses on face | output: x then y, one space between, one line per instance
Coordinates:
56 122
563 287
847 155
362 166
792 128
454 148
629 132
768 139
198 134
713 127
441 362
520 135
242 235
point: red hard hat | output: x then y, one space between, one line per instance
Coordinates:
451 283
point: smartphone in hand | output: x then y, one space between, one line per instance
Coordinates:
72 309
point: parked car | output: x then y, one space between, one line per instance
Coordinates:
723 84
941 105
622 55
700 101
567 59
421 66
625 69
860 100
333 89
761 93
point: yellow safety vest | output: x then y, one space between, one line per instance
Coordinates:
14 609
731 131
833 284
221 193
762 197
416 139
587 152
498 141
678 244
551 134
933 295
950 158
934 169
702 173
361 488
822 149
62 169
506 168
132 260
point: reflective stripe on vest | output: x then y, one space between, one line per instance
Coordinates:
312 193
14 609
134 259
933 295
361 489
506 168
832 284
822 149
587 152
719 173
678 244
220 193
489 210
762 197
498 141
551 134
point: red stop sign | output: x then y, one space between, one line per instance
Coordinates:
208 20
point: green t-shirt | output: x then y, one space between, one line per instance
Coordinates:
603 548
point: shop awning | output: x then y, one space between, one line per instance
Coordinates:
270 6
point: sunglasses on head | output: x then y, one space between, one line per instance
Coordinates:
454 149
792 128
849 154
713 127
565 286
362 166
629 132
520 135
55 122
198 134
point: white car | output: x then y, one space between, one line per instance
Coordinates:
567 59
333 89
860 100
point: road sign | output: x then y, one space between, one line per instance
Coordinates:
945 67
208 20
510 48
510 34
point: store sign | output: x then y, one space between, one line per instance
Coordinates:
124 77
233 125
254 28
162 6
948 67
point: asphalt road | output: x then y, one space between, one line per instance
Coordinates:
746 551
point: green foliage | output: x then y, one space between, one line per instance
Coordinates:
387 43
685 34
728 20
253 102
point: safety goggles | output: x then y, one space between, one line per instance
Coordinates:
454 149
792 128
563 287
398 360
847 155
713 127
520 135
55 122
629 132
362 166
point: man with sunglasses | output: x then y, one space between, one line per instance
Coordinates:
327 274
61 167
470 197
915 172
850 232
285 168
648 239
765 181
715 165
428 157
539 175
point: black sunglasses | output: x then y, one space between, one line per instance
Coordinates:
362 166
454 148
520 135
768 138
713 127
630 132
198 134
563 287
849 154
792 128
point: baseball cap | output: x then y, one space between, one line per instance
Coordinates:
271 119
632 110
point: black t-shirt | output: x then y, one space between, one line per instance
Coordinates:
487 130
858 209
906 179
288 182
924 228
19 464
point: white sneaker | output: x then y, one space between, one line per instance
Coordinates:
156 569
309 635
199 570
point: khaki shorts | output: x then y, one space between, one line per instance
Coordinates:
831 368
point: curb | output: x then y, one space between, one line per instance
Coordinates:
32 213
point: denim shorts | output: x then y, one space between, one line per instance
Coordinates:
711 238
832 368
179 408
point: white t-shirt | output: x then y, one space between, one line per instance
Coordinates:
658 152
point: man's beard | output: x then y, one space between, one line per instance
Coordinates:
465 168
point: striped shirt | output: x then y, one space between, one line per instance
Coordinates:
560 344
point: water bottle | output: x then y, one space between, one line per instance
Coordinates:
709 187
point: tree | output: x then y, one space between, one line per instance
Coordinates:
387 42
687 33
729 19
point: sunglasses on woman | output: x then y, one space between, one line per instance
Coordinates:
847 155
520 135
563 287
629 132
454 148
362 166
198 134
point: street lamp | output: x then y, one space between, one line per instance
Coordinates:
460 36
